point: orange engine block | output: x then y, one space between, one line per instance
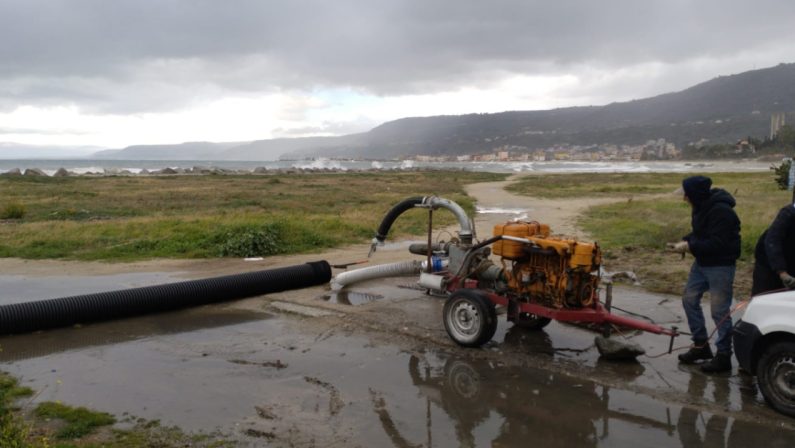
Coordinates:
555 271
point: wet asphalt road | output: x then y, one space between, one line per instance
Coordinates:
258 375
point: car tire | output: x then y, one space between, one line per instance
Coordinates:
776 376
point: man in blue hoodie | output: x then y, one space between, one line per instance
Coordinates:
715 243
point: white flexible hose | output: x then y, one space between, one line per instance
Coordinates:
399 269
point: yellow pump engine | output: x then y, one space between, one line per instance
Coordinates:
557 272
542 277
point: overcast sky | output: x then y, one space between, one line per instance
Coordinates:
116 73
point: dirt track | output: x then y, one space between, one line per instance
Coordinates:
560 214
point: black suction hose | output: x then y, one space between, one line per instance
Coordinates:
65 311
393 214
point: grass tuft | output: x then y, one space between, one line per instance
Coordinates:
14 432
78 421
13 210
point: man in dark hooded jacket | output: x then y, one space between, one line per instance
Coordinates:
715 243
774 267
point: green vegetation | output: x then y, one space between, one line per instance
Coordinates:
13 210
78 422
596 185
781 145
14 432
781 173
633 231
129 218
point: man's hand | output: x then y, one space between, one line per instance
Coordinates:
680 247
788 280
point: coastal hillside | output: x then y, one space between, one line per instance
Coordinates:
182 151
720 110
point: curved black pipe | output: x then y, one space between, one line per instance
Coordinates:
393 213
32 316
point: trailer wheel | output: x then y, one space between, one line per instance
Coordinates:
776 377
469 318
532 322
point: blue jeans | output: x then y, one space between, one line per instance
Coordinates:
718 281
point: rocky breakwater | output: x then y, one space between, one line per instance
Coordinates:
196 170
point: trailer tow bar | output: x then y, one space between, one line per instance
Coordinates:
673 335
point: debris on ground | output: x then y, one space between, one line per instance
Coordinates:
615 350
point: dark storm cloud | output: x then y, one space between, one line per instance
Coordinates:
147 55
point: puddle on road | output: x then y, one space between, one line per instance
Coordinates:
501 210
351 297
58 341
255 375
252 375
394 290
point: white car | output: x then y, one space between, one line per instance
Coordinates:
764 344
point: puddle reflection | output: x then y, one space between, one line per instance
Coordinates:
511 406
43 343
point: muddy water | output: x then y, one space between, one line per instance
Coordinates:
287 380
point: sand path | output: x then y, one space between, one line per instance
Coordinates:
560 214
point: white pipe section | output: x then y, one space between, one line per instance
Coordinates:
431 281
400 269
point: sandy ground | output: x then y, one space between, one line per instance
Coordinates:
560 214
350 372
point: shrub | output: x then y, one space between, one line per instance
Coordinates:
782 174
13 210
251 241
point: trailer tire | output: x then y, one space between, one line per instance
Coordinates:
470 318
776 376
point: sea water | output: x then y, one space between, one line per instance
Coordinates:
84 166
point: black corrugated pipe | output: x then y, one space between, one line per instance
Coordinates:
65 311
393 213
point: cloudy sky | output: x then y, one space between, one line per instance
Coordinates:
122 72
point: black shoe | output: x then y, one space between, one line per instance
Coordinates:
722 362
697 352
